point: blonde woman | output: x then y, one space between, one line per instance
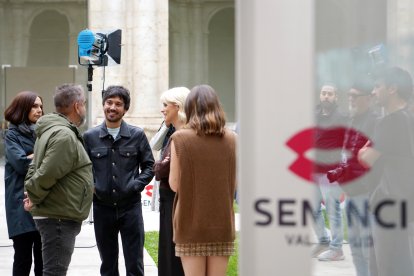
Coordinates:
173 110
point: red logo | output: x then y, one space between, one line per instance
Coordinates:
325 139
148 190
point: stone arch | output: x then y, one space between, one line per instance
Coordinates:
68 13
212 13
221 57
48 43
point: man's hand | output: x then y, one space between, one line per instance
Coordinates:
166 159
27 203
367 156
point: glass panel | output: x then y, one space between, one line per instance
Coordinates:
363 91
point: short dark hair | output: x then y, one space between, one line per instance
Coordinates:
204 112
396 76
363 84
117 91
18 110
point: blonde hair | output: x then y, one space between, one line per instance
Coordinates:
177 96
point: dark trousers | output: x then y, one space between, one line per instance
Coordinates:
168 263
108 223
58 243
24 245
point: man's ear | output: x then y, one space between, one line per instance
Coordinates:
76 107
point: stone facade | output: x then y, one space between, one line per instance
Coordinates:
165 43
144 58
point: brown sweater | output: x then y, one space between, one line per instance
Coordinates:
203 206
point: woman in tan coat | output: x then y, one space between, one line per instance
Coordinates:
202 173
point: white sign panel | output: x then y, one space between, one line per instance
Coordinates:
275 100
358 56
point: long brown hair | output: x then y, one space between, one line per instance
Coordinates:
18 110
204 112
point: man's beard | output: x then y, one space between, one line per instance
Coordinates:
328 105
82 120
116 117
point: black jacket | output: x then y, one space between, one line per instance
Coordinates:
363 126
122 167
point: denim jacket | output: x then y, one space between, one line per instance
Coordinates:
122 167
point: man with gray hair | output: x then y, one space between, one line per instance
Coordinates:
59 181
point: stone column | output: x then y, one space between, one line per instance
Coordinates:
150 59
183 70
144 58
18 33
3 60
200 60
400 33
73 49
3 42
104 15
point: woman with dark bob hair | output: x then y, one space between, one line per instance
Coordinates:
23 112
203 175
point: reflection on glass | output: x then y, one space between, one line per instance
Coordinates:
363 86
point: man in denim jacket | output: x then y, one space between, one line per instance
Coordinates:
122 164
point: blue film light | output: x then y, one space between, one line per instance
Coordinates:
86 38
99 48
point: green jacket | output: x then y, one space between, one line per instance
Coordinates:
59 181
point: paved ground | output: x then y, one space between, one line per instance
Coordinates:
85 259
